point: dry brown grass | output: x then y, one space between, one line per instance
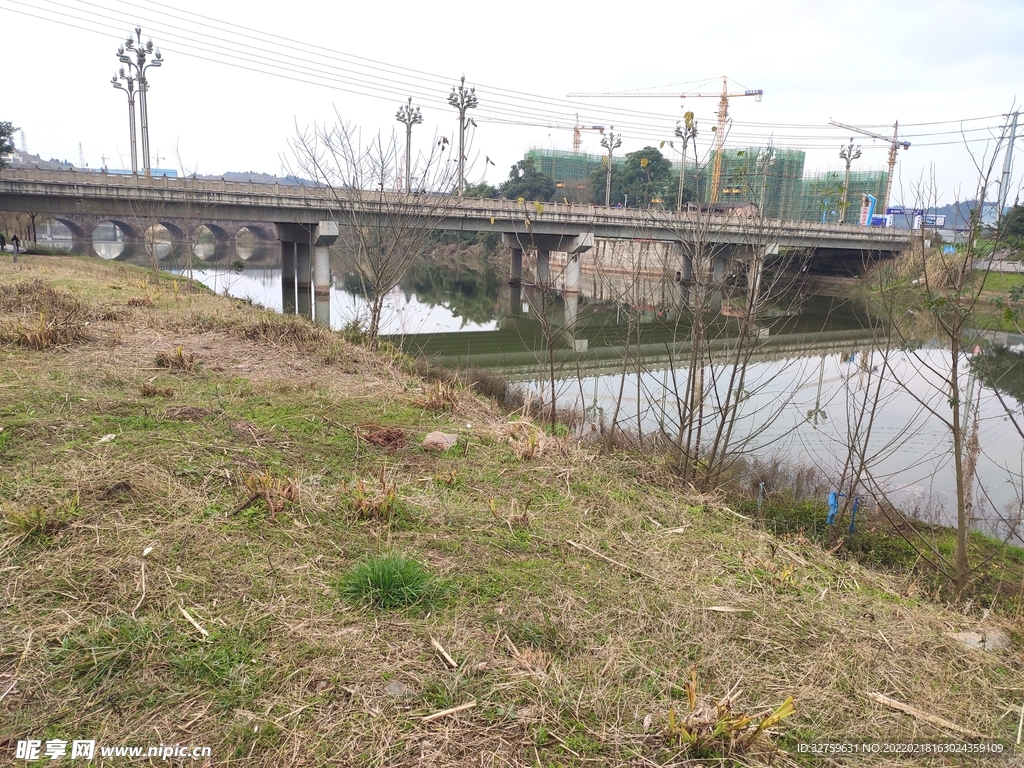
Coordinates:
574 653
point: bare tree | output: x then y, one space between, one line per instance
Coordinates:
936 299
383 230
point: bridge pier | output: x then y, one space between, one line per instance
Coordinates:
543 269
322 285
515 281
303 273
288 277
573 245
306 269
571 296
701 279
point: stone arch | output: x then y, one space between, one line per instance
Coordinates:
112 238
130 231
176 232
78 232
209 242
219 233
261 233
161 238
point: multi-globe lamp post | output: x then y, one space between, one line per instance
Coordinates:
849 154
463 99
685 130
137 81
410 116
129 88
611 142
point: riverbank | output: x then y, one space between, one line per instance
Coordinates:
189 483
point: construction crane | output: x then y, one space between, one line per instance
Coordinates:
894 146
577 129
723 116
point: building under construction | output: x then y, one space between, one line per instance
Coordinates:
823 195
772 178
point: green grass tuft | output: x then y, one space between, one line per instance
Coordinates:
388 581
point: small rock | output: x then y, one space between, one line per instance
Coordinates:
985 640
440 441
398 689
105 439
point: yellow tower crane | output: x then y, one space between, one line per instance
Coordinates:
723 116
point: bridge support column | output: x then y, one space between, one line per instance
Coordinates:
81 238
322 285
288 277
303 273
721 261
544 269
571 296
305 263
515 276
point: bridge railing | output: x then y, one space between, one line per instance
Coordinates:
299 195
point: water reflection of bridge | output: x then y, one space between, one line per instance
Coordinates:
525 365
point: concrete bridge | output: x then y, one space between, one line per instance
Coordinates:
305 221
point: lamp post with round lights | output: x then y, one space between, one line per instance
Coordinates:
462 100
146 57
611 142
849 154
685 130
410 116
129 88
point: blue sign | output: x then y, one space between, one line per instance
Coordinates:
879 221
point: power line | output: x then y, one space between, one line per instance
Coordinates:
504 104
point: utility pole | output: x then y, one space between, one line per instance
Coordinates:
1004 181
138 69
411 116
849 154
685 130
463 100
611 142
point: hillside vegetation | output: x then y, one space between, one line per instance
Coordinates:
218 527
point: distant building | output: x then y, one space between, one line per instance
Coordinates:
772 180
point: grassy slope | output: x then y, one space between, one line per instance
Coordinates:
567 654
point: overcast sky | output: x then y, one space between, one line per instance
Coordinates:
929 65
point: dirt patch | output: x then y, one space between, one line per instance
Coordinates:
188 413
388 438
246 430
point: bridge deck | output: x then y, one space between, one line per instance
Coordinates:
101 194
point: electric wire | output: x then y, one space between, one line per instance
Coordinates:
514 108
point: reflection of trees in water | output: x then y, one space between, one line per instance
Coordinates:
1001 368
470 292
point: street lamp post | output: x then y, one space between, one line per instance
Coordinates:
462 100
138 68
129 88
611 142
411 116
686 130
849 154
